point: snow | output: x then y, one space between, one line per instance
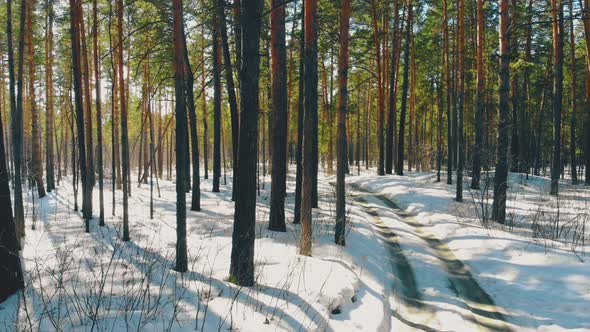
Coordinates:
73 277
539 284
94 281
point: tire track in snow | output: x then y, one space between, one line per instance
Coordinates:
485 313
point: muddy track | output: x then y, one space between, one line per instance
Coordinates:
485 314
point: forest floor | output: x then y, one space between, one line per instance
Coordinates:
414 259
536 280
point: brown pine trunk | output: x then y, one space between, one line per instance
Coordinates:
380 90
479 97
279 115
98 107
87 108
574 172
501 173
461 100
76 13
181 137
36 166
310 77
339 230
49 120
447 84
557 29
124 132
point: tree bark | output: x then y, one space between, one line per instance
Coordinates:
36 166
11 278
557 28
98 107
310 100
16 111
279 112
75 13
231 93
501 173
216 107
574 171
242 256
181 137
461 99
401 138
124 133
479 97
49 118
339 231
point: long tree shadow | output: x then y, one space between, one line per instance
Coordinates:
139 260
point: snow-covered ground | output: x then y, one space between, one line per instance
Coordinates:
94 281
536 283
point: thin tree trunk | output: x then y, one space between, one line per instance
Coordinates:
36 166
49 121
339 231
461 100
124 133
216 107
279 117
181 137
380 90
501 173
574 172
98 111
557 28
192 114
402 125
16 111
310 75
300 111
231 93
76 13
479 97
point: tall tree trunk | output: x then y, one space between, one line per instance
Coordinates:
181 137
310 76
98 107
380 90
501 174
586 21
479 97
231 93
557 28
87 108
391 114
192 114
36 166
300 111
461 99
447 74
339 231
205 113
402 124
279 117
11 278
16 112
75 14
216 107
242 256
49 121
124 133
574 171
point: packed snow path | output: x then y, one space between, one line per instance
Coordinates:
418 312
